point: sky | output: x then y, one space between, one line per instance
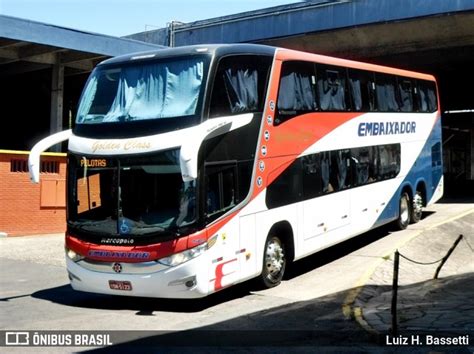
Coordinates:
124 17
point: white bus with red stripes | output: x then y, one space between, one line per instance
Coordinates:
192 169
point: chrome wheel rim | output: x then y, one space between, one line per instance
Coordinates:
417 205
404 210
274 258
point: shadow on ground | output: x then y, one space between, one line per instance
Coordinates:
317 323
460 198
440 305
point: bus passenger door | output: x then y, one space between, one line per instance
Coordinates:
220 186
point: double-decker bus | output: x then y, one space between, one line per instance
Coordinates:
192 169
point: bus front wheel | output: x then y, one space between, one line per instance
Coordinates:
404 211
274 262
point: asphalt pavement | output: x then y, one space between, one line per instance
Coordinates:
337 300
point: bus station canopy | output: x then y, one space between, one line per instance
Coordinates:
28 46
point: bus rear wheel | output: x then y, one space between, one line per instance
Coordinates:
417 207
274 263
404 211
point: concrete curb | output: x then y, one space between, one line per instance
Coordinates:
349 308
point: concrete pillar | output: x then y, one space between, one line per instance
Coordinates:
57 95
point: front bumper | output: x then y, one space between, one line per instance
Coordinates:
185 281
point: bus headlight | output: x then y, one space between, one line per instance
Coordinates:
73 256
179 258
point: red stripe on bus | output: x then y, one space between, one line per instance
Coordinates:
220 274
155 251
290 139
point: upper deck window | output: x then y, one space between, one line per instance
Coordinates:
426 95
297 91
142 91
362 89
239 85
331 88
405 89
385 93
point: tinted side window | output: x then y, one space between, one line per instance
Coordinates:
326 172
296 94
389 161
312 179
375 163
340 169
361 88
426 96
405 94
331 88
239 85
385 93
364 162
221 193
286 188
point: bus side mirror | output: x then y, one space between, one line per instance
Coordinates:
188 155
41 146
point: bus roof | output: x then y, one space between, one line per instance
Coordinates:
212 49
288 54
281 54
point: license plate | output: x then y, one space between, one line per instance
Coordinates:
120 285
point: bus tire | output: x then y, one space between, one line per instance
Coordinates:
404 211
274 263
417 207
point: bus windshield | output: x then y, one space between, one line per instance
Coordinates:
142 91
130 196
